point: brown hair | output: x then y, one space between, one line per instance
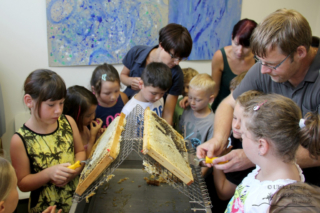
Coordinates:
247 96
203 82
43 85
79 99
311 133
296 197
6 183
276 118
236 81
110 73
188 74
286 29
177 38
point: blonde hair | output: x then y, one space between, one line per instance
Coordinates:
188 74
237 80
286 29
6 180
247 96
296 197
204 82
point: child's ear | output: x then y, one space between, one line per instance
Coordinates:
28 100
263 146
211 99
2 206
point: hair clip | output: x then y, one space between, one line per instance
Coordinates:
257 107
104 77
301 123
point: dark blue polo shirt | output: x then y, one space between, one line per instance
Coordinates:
135 61
306 95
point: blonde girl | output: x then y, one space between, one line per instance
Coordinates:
105 84
272 131
81 105
43 148
9 196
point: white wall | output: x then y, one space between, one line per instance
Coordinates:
23 45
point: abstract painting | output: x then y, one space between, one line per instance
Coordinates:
210 23
90 32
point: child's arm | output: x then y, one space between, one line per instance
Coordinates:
225 189
79 153
27 181
124 98
95 127
169 106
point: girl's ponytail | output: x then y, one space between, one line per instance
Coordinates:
310 134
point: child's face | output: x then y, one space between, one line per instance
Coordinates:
89 115
249 144
236 121
11 202
151 94
186 89
50 111
198 99
109 93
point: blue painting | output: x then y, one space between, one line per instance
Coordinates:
210 23
90 32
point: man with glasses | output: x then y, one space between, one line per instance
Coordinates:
287 65
175 44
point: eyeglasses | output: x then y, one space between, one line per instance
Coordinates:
176 59
259 61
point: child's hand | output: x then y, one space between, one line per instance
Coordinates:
60 173
135 83
101 131
95 127
52 209
184 103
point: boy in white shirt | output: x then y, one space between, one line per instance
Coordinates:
156 79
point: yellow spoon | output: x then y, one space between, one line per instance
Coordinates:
76 165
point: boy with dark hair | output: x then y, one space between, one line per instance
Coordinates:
175 44
156 80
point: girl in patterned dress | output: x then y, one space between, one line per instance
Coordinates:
49 142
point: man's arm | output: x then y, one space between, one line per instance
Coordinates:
222 128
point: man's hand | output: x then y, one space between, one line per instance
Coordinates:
211 148
238 161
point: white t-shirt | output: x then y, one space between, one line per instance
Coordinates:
255 196
157 106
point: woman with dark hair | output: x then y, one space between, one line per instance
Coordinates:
230 61
175 44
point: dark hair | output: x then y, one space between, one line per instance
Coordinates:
111 75
43 85
157 74
278 119
78 101
315 41
243 29
177 38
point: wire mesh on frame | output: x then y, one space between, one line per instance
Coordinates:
132 139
